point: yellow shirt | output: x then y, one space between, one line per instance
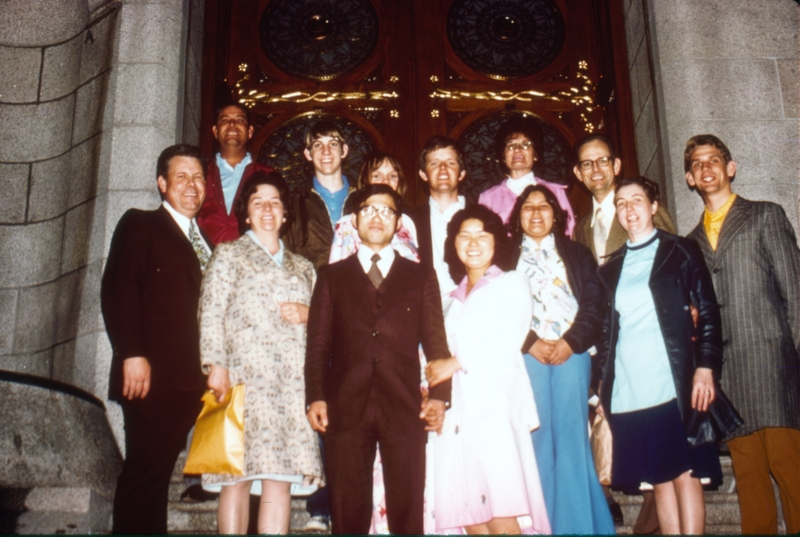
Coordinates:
712 222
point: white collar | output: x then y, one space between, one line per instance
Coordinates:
452 209
183 221
518 185
365 254
609 209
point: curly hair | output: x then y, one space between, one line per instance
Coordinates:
515 224
251 186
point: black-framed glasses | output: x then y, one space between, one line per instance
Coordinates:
601 162
368 211
521 146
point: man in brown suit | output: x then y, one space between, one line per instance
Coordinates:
149 297
597 166
751 251
368 315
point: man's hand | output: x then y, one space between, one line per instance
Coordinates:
560 353
541 350
294 312
219 382
433 414
136 377
318 416
440 370
703 391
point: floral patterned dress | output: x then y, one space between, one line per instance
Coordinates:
241 329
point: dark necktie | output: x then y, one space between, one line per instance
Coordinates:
374 273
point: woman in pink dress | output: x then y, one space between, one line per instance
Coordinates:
486 479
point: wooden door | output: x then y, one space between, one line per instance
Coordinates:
393 73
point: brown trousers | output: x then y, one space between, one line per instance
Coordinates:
776 451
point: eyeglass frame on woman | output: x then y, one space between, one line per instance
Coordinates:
369 211
602 162
521 146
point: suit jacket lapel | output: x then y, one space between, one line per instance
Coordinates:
701 238
424 235
616 236
173 233
737 217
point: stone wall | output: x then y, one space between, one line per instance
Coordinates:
725 67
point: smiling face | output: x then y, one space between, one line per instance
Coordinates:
376 231
184 187
520 155
442 171
709 173
536 217
385 175
598 179
474 245
326 154
265 211
635 211
232 130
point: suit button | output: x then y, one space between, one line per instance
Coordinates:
720 304
725 341
686 308
379 305
375 360
716 270
375 333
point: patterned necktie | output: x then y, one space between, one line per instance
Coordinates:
600 234
374 273
199 247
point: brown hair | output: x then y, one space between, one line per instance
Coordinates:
375 160
704 139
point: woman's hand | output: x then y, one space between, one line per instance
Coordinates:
294 312
703 391
541 350
219 382
440 370
560 353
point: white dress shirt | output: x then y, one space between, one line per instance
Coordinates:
387 258
184 223
609 211
439 221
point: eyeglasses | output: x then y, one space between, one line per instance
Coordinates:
602 162
369 211
522 146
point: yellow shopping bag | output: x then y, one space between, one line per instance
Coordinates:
218 441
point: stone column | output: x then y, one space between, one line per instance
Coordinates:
729 68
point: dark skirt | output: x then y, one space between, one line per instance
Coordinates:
650 446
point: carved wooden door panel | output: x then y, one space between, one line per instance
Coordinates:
395 72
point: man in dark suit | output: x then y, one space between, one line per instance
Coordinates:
441 167
751 251
368 315
150 292
597 167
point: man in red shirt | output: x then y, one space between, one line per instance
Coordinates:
227 173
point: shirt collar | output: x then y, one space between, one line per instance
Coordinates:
548 243
460 293
518 185
183 222
277 256
365 254
223 164
320 188
644 243
607 205
448 213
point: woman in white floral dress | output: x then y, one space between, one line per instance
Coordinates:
253 313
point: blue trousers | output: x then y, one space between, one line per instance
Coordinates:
572 493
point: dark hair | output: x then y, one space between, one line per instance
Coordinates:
704 139
324 127
436 143
251 186
589 138
375 160
225 104
361 196
650 188
518 124
514 222
179 150
491 223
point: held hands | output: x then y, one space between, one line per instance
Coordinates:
219 382
440 370
318 416
433 414
294 312
136 377
703 392
551 352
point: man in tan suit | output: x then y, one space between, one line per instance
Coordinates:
597 166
